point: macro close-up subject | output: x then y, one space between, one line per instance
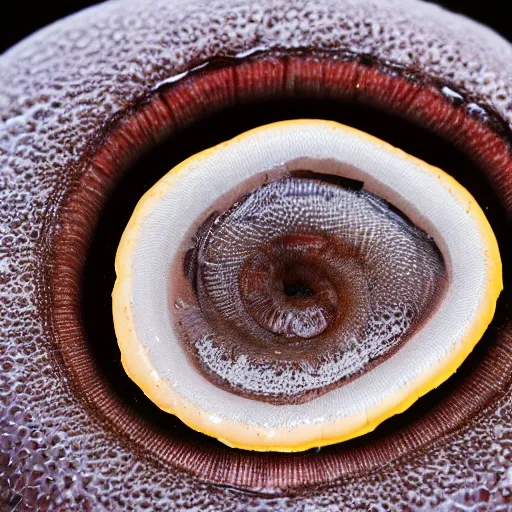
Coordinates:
253 256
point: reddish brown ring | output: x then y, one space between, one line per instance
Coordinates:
400 91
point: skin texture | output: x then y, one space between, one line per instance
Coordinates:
58 91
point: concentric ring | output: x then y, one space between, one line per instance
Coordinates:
416 98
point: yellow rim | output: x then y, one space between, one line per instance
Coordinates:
138 366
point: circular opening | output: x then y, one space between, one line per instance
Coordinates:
294 288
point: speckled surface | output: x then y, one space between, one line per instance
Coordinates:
57 89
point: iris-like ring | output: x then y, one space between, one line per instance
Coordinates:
436 203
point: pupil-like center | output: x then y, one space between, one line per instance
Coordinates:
285 289
295 289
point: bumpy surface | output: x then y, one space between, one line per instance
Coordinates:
56 91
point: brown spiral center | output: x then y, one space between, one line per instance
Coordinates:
301 286
286 290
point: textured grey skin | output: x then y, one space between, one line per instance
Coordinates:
56 89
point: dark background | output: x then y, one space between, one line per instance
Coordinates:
21 18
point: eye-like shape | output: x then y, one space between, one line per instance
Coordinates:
301 286
97 108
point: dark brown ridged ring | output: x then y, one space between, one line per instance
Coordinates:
176 106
